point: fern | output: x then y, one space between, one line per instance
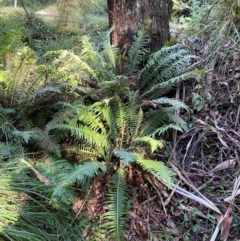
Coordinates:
125 156
153 143
62 191
48 142
137 51
117 206
164 69
159 169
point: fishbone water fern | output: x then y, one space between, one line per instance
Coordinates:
108 114
107 131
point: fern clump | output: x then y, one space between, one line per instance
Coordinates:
104 108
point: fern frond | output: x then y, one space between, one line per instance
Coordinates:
83 133
177 120
25 135
117 206
120 112
10 150
153 143
78 173
166 127
110 53
159 169
91 57
84 151
61 116
118 85
137 51
10 43
163 87
154 120
173 102
48 142
125 156
82 171
164 69
45 91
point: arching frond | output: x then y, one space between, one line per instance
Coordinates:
125 156
173 102
166 127
137 51
159 169
153 143
110 53
163 87
48 142
164 69
78 173
117 206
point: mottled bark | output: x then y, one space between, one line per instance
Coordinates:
126 16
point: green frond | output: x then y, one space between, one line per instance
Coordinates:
10 42
120 113
71 68
6 111
125 156
161 88
137 51
165 69
79 173
166 127
138 120
153 143
173 102
46 92
117 206
177 120
60 117
83 133
25 135
159 169
84 151
82 171
118 85
154 120
92 58
110 53
48 142
107 117
10 150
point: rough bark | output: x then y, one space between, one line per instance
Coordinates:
126 16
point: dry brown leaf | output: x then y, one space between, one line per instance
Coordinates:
226 224
224 165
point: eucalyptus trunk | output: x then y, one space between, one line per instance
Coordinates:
126 16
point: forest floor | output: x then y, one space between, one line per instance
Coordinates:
49 13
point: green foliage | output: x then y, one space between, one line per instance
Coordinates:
158 168
26 213
16 76
78 173
117 206
102 107
125 157
123 124
165 69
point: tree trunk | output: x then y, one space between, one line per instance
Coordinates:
126 16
